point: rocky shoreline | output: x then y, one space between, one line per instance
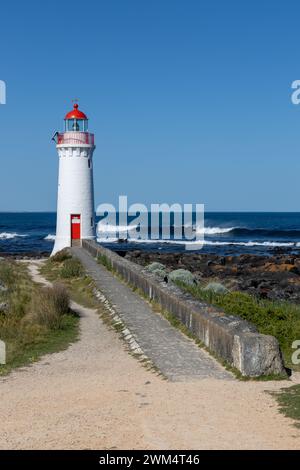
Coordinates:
274 277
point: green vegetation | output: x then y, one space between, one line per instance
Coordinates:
157 268
60 256
35 320
289 402
71 268
78 284
279 319
49 305
182 275
102 259
63 266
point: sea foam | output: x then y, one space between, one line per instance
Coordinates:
9 236
50 237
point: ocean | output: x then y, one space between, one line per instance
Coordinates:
225 233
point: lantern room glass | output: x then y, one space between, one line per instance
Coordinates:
76 125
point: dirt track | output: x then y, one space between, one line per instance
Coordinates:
95 395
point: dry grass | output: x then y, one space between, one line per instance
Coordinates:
71 268
37 320
49 305
60 256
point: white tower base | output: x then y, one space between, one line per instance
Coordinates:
75 200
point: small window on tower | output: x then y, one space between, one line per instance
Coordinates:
92 222
89 162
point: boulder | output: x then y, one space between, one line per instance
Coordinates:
255 355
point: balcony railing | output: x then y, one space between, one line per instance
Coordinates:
75 138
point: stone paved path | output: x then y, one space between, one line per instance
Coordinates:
174 354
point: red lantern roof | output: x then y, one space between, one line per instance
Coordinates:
75 113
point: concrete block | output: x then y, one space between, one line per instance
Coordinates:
2 352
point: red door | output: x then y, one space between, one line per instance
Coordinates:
75 227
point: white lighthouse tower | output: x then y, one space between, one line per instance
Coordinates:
75 198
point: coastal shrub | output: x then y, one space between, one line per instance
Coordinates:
60 256
49 305
157 268
160 273
277 318
216 288
182 276
71 268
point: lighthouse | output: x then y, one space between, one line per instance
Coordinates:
75 197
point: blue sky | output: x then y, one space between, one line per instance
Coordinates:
189 100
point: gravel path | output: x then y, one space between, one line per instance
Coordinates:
95 395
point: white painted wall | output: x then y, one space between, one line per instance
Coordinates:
75 193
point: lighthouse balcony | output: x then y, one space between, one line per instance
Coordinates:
75 138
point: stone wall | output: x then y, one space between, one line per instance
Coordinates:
227 336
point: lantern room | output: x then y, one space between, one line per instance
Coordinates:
76 121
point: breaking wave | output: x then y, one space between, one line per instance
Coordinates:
210 231
9 236
214 230
50 237
106 228
269 244
250 232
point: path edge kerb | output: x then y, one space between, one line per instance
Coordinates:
230 338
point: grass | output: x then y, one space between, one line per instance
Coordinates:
102 259
48 342
80 286
279 319
289 402
60 256
49 306
37 320
71 268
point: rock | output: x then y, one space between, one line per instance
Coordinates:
252 283
281 271
293 269
255 355
216 288
182 275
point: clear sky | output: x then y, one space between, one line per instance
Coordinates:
190 100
